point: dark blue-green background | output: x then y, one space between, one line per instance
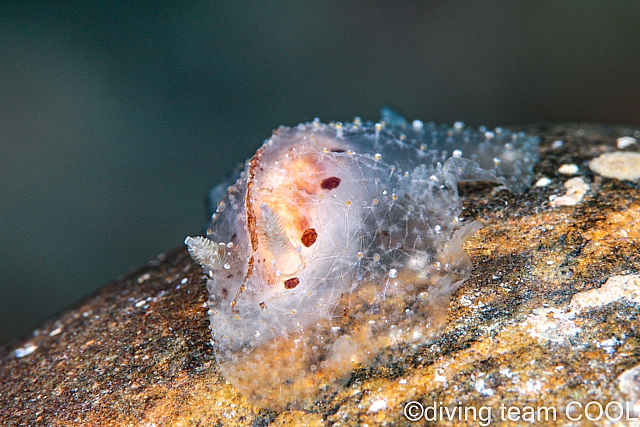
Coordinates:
115 120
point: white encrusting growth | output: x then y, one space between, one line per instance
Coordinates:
615 288
342 241
618 165
629 386
557 324
552 324
576 189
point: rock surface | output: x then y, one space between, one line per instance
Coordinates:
548 322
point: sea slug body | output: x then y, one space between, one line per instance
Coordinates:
341 243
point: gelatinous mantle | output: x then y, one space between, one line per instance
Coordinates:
341 243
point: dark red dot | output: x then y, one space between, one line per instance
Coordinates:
330 183
291 283
309 237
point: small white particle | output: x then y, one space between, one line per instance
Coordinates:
378 405
506 372
393 273
465 301
439 376
55 332
25 351
543 182
144 277
183 281
402 381
557 144
457 154
480 388
141 303
533 386
568 169
417 124
608 345
625 141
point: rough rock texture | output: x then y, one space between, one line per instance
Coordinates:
549 318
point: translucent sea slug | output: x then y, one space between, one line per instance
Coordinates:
341 243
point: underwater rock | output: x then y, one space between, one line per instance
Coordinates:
138 352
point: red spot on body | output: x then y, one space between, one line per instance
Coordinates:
330 183
309 237
291 283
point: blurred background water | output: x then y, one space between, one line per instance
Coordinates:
116 118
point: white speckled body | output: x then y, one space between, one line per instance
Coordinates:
341 244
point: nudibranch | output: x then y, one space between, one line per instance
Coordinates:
341 244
